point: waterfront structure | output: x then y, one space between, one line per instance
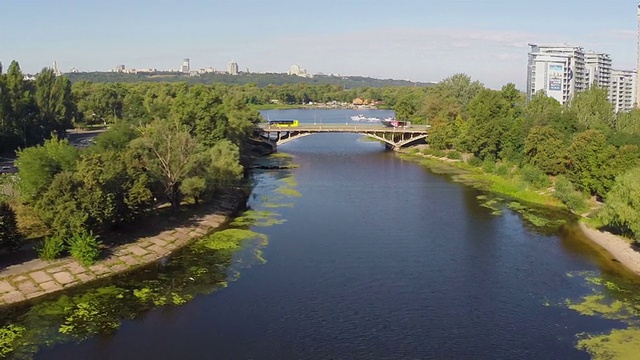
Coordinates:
597 69
232 68
557 70
185 68
623 90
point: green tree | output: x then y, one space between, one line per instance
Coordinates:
53 97
622 203
592 109
489 120
589 162
116 138
170 153
38 165
545 149
9 235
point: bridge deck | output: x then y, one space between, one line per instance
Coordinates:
346 128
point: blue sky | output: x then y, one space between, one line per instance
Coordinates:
420 40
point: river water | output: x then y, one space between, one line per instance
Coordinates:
376 257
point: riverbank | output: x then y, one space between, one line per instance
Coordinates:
619 248
36 278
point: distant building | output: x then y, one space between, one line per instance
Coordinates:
185 68
597 69
622 89
557 70
232 68
56 71
119 69
298 71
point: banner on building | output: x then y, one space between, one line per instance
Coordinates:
555 75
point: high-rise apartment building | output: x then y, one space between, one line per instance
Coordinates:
597 69
558 70
622 90
186 67
232 68
637 93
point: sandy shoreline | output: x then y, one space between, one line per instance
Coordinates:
618 248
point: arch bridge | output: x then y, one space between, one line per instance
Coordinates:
393 137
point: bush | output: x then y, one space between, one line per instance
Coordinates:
566 193
427 151
437 153
9 235
502 170
489 166
84 247
52 247
534 176
454 155
474 161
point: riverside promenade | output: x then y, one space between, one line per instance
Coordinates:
35 278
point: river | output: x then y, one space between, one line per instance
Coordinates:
370 256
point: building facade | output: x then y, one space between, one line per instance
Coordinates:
232 68
623 89
557 70
597 69
186 66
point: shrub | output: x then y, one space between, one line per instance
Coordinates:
454 155
488 165
534 176
474 161
502 170
52 247
84 247
437 153
427 151
566 193
9 235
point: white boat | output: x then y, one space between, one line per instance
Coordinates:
363 118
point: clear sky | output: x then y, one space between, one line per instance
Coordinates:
419 40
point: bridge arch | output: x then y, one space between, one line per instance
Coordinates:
393 138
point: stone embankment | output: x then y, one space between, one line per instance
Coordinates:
36 278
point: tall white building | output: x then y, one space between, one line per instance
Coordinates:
622 90
186 66
298 71
597 69
232 68
558 70
637 93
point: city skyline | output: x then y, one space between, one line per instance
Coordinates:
416 40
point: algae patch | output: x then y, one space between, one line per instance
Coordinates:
613 300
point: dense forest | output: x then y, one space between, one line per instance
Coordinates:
177 142
259 80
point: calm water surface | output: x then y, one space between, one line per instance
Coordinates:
379 258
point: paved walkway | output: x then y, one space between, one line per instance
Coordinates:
39 277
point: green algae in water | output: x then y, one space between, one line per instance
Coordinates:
612 299
257 218
622 344
229 239
9 338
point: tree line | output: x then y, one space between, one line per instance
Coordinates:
243 78
583 147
